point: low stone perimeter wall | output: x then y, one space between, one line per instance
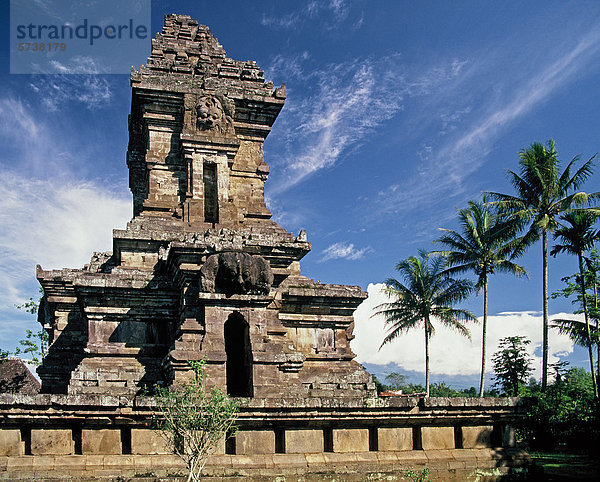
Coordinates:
446 465
54 436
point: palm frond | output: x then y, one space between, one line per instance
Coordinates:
425 286
576 331
583 173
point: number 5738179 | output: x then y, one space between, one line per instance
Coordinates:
42 47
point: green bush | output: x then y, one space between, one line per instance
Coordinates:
564 415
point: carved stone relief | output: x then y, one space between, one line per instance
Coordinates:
236 273
215 113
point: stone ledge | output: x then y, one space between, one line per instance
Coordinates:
108 402
444 464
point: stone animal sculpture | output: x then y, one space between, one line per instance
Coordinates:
236 273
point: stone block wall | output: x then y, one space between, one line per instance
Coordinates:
101 441
11 442
350 440
435 438
91 436
393 439
477 437
144 441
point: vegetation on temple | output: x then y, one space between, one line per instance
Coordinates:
194 420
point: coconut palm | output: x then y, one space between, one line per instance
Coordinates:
578 235
426 293
483 246
543 194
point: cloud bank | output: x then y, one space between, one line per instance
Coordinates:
450 353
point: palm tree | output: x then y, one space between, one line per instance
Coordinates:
543 194
578 236
483 246
426 293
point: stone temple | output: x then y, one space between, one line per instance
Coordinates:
202 271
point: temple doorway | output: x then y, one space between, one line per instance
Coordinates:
239 356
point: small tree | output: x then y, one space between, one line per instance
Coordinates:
35 343
396 380
194 420
512 364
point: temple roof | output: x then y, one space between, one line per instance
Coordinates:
15 377
186 48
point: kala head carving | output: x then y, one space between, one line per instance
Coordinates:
214 114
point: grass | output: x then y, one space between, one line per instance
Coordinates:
564 466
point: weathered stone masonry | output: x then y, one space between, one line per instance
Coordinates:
202 271
201 251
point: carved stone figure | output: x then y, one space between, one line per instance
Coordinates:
214 114
236 273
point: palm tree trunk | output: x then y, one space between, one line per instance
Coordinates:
587 324
483 345
426 357
598 343
545 310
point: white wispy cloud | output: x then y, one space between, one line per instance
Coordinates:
450 353
339 9
349 101
285 21
287 67
49 215
55 222
333 11
27 144
458 156
343 250
346 103
75 81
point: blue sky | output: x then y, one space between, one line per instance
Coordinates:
397 113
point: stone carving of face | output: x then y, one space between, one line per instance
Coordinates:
209 111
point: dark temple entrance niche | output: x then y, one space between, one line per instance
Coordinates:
211 202
239 357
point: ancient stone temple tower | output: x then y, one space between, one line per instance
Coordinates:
201 270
